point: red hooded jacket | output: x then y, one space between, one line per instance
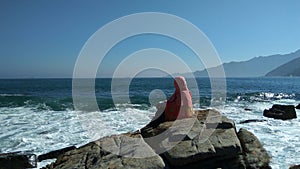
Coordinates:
180 104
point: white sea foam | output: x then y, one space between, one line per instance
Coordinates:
41 131
280 138
114 121
5 95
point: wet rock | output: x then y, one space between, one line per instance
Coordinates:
252 120
298 106
295 167
54 154
254 155
283 112
17 160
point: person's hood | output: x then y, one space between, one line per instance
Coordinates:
180 84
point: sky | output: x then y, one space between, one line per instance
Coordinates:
43 38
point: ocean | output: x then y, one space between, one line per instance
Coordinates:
38 115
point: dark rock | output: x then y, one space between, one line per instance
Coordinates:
17 160
252 120
298 106
254 155
213 119
247 109
283 112
295 167
110 152
54 154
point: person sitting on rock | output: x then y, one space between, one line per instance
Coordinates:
180 104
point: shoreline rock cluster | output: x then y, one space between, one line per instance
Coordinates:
207 141
283 112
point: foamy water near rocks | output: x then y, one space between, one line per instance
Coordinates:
224 147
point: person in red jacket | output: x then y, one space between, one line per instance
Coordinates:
180 104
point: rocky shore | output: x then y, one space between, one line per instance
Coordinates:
207 141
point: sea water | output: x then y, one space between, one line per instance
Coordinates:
38 116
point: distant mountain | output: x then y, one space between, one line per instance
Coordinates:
255 67
291 68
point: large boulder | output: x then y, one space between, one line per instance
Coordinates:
254 154
210 141
119 151
283 112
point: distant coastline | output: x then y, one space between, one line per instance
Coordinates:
257 67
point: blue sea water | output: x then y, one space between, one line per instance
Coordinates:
38 115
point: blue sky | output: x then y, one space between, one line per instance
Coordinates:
43 38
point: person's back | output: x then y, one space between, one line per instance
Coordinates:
180 104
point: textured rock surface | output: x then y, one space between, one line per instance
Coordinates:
211 137
254 155
95 156
283 112
222 144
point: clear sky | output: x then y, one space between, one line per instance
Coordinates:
42 38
